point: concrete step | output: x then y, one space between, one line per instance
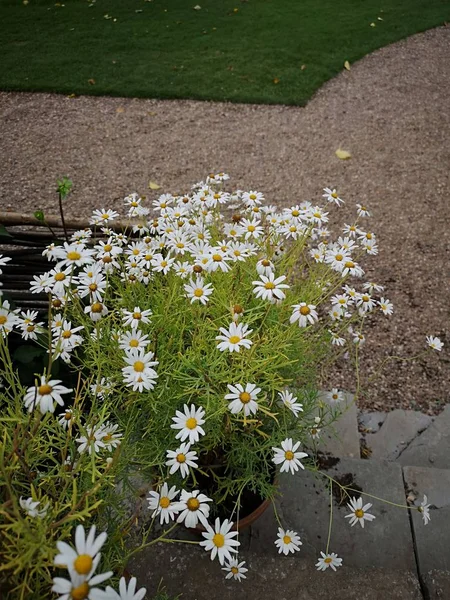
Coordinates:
341 439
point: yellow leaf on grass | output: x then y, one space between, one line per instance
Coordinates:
347 65
120 109
154 186
372 25
91 81
276 80
343 154
303 67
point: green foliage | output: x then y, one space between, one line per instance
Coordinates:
166 49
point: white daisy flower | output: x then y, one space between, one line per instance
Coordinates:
235 569
135 317
335 396
3 261
161 503
350 230
182 269
189 423
435 343
220 540
336 340
288 541
139 373
8 319
336 258
45 395
332 196
331 560
288 456
317 215
130 340
92 441
198 290
29 327
387 308
304 314
250 228
31 507
181 459
74 255
93 286
234 337
365 303
66 419
96 311
41 284
358 512
102 388
162 264
193 507
424 509
243 398
290 401
362 211
265 267
251 198
102 216
218 259
125 593
270 288
80 586
81 559
372 287
111 437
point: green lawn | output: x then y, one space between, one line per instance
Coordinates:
237 50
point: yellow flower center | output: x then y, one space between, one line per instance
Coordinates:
295 213
305 310
106 260
245 397
139 366
81 592
45 389
97 307
289 455
197 269
237 308
234 570
216 258
137 315
287 539
56 303
181 458
334 195
350 264
292 228
191 423
134 343
105 216
219 540
359 513
107 437
269 285
234 339
67 334
31 328
3 319
251 228
164 263
83 564
60 277
365 298
338 257
73 255
68 416
93 287
327 560
193 504
265 262
317 215
252 197
198 293
164 502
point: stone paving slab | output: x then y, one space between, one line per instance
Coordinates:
370 422
432 447
397 432
304 506
342 437
190 574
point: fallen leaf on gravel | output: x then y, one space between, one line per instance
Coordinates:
151 113
343 154
91 81
72 96
120 109
347 65
153 186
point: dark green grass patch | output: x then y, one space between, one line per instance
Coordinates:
274 51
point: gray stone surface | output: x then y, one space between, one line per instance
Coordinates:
378 561
396 433
341 438
190 573
432 447
437 585
432 540
370 422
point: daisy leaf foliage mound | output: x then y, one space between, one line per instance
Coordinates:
192 336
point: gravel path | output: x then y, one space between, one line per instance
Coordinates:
391 111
